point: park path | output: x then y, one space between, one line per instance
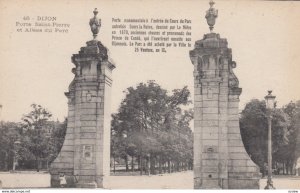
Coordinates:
182 180
283 182
25 179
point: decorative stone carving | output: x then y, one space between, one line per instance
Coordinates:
233 81
211 15
85 154
220 159
95 24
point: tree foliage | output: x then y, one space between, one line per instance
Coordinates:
9 134
36 131
39 140
151 123
290 152
254 131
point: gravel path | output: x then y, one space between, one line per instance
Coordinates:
182 180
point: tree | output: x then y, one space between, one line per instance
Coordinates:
58 133
291 151
36 131
10 132
39 139
254 131
152 127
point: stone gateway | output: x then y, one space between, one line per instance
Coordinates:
84 159
220 159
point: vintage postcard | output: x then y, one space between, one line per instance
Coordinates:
144 94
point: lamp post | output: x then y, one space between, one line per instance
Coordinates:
270 104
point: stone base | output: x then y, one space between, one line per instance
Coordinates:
228 184
75 182
236 180
55 182
208 183
197 183
211 184
243 184
86 185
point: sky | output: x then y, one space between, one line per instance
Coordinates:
36 67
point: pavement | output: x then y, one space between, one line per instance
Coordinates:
182 180
24 179
282 182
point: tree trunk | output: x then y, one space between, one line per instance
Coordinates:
126 163
37 164
169 166
114 164
141 165
153 165
132 164
139 162
159 165
149 165
145 163
286 167
5 161
291 167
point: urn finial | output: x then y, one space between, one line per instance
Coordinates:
211 15
95 24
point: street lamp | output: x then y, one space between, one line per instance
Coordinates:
270 104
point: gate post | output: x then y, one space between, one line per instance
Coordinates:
220 158
85 155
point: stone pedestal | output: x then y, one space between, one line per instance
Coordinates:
85 155
220 159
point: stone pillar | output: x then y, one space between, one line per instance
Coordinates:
220 159
85 155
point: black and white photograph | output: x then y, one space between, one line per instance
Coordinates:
149 94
